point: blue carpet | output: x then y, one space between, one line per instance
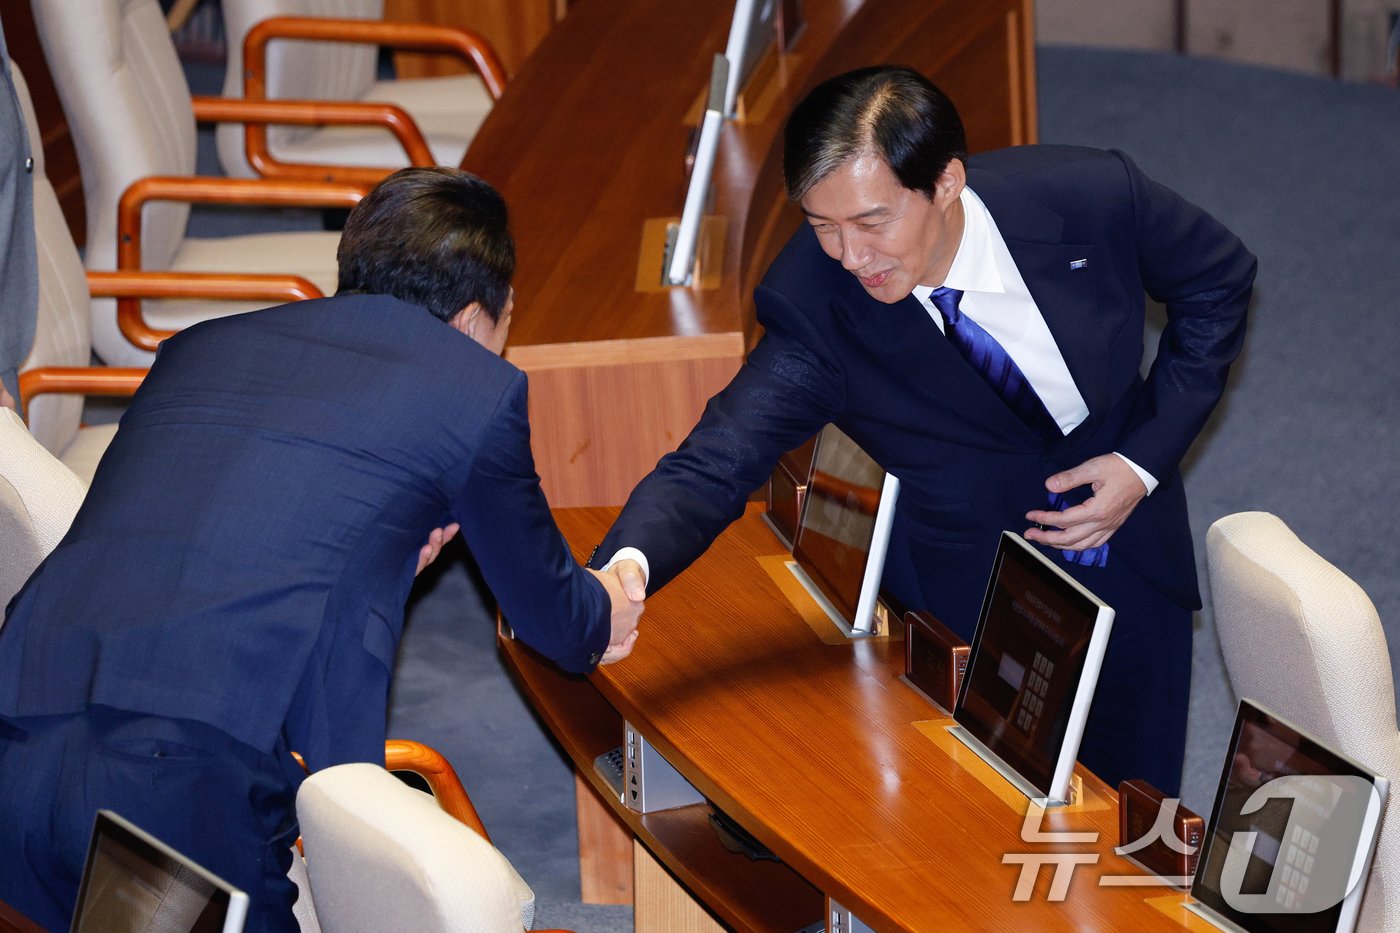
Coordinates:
1304 169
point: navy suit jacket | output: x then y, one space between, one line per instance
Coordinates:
1090 235
247 547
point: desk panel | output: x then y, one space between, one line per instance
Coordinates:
822 753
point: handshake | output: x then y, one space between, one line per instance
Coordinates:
624 582
627 589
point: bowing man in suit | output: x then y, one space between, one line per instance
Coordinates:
233 587
976 324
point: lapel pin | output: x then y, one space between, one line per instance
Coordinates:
1078 263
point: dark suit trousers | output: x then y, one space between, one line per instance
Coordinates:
1137 725
224 804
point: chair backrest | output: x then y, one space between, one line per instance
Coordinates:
128 107
63 333
38 498
1304 640
383 856
295 70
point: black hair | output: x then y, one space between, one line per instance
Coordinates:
435 237
889 110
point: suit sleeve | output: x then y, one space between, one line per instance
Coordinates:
1204 276
551 603
789 387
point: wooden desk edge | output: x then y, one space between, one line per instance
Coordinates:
586 725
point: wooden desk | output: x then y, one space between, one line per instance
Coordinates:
587 145
12 921
821 752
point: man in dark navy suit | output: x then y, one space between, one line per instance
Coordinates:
1046 426
233 588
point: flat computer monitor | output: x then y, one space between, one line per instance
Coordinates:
134 883
844 531
1291 833
1031 674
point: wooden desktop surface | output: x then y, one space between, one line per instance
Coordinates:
12 921
817 748
588 146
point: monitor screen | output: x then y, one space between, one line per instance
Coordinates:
1291 831
133 883
845 525
1035 661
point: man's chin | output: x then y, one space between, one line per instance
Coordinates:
888 292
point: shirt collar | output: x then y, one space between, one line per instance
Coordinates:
974 267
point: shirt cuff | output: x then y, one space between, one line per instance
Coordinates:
1147 478
630 553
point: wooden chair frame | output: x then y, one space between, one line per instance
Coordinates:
427 763
258 113
78 380
223 286
134 285
406 36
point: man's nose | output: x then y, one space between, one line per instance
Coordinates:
854 254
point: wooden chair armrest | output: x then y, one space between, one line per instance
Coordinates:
258 113
129 286
207 190
84 380
413 37
402 755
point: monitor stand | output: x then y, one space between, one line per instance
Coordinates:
879 627
975 745
1215 920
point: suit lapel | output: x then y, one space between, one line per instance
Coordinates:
1062 278
906 338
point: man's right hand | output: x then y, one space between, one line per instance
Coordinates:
625 613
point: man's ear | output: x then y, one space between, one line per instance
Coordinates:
950 184
465 320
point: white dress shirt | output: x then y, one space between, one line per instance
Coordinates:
996 297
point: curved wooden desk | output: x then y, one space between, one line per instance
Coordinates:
818 749
588 144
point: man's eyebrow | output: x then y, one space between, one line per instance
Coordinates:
863 215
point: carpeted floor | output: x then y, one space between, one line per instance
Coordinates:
1304 169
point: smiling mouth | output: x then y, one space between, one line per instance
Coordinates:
874 281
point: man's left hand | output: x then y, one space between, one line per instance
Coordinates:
436 539
1117 491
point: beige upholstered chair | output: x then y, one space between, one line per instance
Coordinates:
1302 638
63 331
38 498
384 856
132 117
445 111
56 374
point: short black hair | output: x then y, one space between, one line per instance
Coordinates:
889 110
435 237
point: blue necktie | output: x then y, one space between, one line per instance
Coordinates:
995 365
